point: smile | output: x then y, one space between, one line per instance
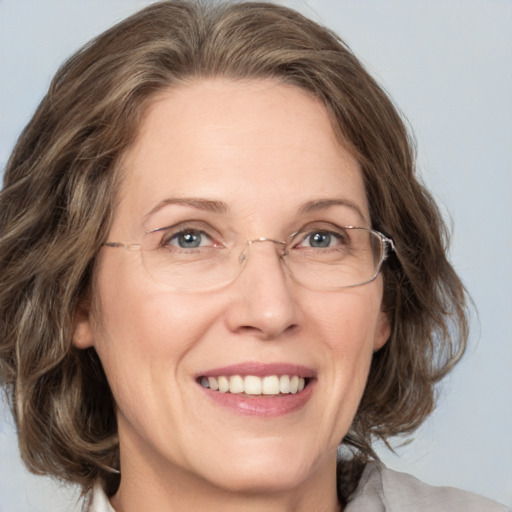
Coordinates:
271 385
254 389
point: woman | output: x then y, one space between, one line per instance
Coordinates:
217 264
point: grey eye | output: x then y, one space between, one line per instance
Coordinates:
189 239
321 239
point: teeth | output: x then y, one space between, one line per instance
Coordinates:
223 384
294 384
270 385
236 384
284 384
213 383
253 385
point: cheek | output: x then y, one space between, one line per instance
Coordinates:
351 345
350 326
351 321
142 330
341 333
133 308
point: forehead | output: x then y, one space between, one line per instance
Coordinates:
254 145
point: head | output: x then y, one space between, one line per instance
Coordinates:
61 199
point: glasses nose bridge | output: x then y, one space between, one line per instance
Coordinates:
265 239
244 255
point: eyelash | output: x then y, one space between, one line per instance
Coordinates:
330 233
171 233
166 240
196 228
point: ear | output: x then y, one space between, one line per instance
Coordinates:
82 328
382 331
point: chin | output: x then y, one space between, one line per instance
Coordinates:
277 467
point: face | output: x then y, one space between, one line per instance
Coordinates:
262 151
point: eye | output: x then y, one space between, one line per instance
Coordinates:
322 239
188 239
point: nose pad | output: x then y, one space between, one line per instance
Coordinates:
264 304
244 255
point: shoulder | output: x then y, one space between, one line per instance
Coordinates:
384 490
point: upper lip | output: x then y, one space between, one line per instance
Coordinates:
260 370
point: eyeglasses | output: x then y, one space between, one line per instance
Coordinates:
194 259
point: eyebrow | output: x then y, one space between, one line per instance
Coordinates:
208 205
322 204
215 206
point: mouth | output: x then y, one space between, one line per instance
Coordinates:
259 390
254 385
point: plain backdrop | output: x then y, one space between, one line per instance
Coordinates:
448 65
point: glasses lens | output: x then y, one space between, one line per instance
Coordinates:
195 268
335 258
319 259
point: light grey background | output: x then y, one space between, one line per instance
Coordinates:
447 64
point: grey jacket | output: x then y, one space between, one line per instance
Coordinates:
383 490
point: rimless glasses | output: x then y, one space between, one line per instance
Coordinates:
319 258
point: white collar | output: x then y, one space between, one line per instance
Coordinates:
99 501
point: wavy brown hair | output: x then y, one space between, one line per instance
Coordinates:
58 201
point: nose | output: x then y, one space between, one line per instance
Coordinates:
263 302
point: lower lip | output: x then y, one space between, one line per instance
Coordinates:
267 406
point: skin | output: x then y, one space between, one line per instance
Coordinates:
265 149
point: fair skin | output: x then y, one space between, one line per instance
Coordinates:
264 150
